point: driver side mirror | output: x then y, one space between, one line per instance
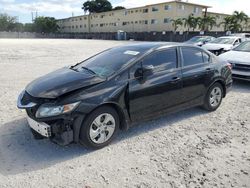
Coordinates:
236 43
144 71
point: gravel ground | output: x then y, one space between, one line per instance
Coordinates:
191 148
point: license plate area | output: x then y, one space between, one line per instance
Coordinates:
40 127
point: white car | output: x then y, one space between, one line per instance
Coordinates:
239 58
245 36
199 40
222 44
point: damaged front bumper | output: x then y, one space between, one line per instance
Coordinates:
63 129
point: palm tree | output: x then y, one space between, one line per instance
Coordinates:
190 22
236 22
240 16
176 23
226 23
207 23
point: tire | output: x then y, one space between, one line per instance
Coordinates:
213 97
100 127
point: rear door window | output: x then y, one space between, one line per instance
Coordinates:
193 56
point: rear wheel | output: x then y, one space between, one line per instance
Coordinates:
214 97
100 127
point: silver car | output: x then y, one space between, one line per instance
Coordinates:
239 58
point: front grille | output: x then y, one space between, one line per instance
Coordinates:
241 77
242 67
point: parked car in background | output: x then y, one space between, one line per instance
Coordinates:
244 36
222 44
200 40
239 57
90 101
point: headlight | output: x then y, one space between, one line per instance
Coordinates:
48 110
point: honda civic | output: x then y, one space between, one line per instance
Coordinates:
90 102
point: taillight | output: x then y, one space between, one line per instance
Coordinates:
229 65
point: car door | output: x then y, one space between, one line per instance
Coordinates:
159 87
197 72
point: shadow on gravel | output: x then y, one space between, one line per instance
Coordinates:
20 153
241 86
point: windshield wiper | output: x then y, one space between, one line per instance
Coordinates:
91 71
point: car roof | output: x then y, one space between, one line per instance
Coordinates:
146 46
233 37
202 36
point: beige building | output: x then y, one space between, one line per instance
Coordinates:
219 19
155 17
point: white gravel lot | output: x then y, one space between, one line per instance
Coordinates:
191 148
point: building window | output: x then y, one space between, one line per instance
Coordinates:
145 10
136 11
146 22
196 10
72 27
80 18
154 21
77 27
154 9
181 7
132 11
167 7
166 20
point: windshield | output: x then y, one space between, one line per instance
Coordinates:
244 47
223 41
108 62
197 39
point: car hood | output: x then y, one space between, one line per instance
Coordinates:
211 46
61 82
236 56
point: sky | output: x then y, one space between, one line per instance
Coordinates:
66 8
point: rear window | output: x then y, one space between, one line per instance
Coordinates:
192 56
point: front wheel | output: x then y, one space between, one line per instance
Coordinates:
214 97
100 127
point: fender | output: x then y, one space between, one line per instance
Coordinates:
117 100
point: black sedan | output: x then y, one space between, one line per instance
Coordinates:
90 101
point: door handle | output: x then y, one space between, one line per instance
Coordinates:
208 70
176 79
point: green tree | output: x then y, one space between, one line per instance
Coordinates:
240 16
207 23
119 8
7 23
45 25
176 23
236 22
97 6
226 23
190 22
